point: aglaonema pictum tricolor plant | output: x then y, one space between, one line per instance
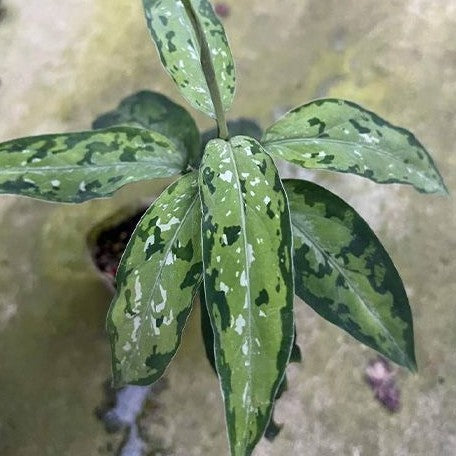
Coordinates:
229 228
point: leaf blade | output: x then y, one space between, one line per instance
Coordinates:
343 272
172 31
339 135
145 327
206 331
76 167
273 429
154 111
248 281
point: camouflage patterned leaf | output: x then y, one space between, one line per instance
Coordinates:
248 281
156 112
173 33
296 355
208 340
273 429
157 279
343 272
206 331
341 136
76 167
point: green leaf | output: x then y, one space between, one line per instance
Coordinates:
173 32
76 167
341 136
156 112
157 279
206 331
248 281
273 429
208 340
343 272
296 355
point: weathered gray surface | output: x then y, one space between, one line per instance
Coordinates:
64 62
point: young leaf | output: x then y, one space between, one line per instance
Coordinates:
343 272
156 112
172 24
248 281
76 167
157 279
341 136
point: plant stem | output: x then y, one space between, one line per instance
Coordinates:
209 71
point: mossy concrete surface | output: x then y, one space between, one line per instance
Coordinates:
62 63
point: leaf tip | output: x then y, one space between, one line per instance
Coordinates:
413 366
444 189
440 188
409 362
117 379
122 378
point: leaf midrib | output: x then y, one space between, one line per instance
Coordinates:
336 265
24 170
380 151
247 272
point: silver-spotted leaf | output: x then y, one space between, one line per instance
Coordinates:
156 112
208 339
206 331
246 239
76 167
273 429
157 279
343 272
341 136
173 32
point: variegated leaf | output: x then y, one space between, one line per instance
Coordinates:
273 429
343 272
156 112
341 136
208 338
76 167
172 28
206 331
157 278
248 281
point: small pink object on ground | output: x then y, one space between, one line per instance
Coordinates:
382 379
222 9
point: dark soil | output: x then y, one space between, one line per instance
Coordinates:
111 243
